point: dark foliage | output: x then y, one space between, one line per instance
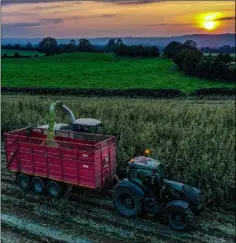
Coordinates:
172 48
192 62
113 44
222 49
85 45
214 91
21 48
137 51
136 92
16 54
49 46
129 93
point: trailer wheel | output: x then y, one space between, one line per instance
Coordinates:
37 185
54 189
23 182
126 202
179 219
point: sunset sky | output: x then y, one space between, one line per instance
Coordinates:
106 18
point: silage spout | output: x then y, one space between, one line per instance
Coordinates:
66 109
52 116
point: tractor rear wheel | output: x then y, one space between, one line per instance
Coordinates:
23 182
54 189
127 202
38 185
179 219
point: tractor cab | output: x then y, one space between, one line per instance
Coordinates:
143 167
87 125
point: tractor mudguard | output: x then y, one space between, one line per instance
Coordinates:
127 184
179 186
174 184
192 193
177 203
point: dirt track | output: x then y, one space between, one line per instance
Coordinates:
88 217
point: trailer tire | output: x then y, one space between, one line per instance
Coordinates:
23 182
37 185
127 202
54 189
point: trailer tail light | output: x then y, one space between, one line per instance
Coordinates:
84 155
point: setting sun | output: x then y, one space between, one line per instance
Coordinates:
209 21
209 25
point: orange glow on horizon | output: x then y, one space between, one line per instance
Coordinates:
66 19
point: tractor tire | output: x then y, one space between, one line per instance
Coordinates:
179 219
127 202
54 189
23 181
37 185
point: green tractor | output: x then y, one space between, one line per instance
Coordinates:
147 190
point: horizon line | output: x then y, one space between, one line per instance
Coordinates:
115 36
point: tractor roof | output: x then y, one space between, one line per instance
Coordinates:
146 162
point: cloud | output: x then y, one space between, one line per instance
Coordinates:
27 25
7 2
21 25
226 18
51 21
120 2
190 24
46 21
45 7
95 16
134 2
165 24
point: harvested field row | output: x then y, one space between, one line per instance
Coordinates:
79 210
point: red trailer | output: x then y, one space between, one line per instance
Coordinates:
80 159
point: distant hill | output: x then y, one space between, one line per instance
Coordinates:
202 40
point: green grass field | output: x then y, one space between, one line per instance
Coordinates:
21 52
89 70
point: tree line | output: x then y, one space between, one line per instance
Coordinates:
222 49
116 45
50 46
193 62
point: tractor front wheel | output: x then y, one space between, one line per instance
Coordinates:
179 219
127 202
